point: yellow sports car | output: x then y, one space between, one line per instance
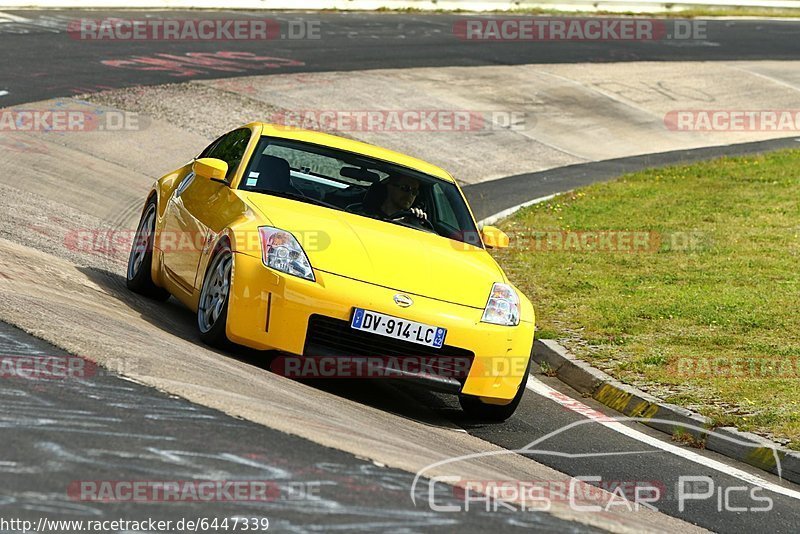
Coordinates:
321 247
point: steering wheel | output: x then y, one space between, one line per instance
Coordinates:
402 214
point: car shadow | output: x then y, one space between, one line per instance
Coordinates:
397 396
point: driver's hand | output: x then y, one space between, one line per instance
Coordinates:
419 213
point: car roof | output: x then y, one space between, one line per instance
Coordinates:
350 145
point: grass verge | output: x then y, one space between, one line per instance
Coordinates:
684 281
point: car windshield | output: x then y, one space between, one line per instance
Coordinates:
361 185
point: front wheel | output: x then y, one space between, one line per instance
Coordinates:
476 409
140 261
212 309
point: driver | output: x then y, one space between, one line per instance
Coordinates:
401 192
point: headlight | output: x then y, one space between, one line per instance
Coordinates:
281 251
503 306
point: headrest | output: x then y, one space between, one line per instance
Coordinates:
274 173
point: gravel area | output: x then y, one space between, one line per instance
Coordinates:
181 105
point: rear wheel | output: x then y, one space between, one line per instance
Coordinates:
212 309
140 260
475 408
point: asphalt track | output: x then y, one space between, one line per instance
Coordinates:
60 432
489 198
39 63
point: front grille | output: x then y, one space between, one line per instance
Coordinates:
331 337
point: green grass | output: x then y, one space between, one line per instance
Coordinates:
721 279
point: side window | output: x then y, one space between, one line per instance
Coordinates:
209 148
444 212
230 149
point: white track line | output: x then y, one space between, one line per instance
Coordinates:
540 388
8 17
777 81
491 219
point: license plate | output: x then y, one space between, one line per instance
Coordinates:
396 328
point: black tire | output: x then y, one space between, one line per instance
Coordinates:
474 408
212 327
140 260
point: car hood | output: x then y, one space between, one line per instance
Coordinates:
385 254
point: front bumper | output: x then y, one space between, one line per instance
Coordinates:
270 311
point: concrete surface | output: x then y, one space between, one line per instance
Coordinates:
564 114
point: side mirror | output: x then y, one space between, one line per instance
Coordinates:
494 237
211 169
